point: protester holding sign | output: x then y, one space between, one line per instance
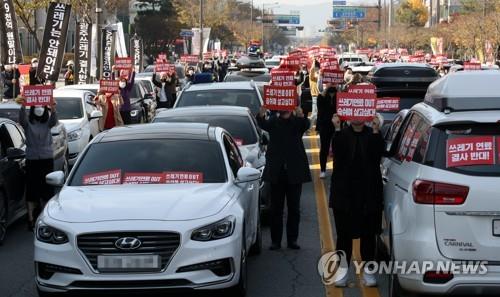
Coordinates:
287 168
356 189
37 124
167 86
327 103
126 86
11 77
110 104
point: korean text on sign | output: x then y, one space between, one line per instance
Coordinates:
113 177
183 177
143 178
363 90
333 76
468 151
123 63
388 104
109 86
280 98
470 66
38 95
283 78
356 107
165 67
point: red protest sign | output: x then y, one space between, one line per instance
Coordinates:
175 177
189 59
207 56
292 63
280 98
388 104
38 95
162 57
362 90
356 107
471 66
123 63
138 178
109 86
283 78
417 59
112 177
333 76
468 151
331 64
165 67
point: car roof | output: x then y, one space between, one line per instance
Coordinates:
240 85
9 104
214 110
194 131
437 118
69 93
400 64
466 84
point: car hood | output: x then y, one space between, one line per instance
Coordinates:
72 125
139 202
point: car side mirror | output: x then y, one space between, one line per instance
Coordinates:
247 174
15 153
55 179
95 114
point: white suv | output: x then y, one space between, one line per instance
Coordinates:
441 186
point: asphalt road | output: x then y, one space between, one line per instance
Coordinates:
283 273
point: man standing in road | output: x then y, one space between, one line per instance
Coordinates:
356 189
287 168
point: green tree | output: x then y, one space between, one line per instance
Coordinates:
413 13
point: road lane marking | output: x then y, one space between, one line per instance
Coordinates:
325 226
317 166
366 291
313 151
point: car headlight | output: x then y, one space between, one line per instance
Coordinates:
134 113
75 135
48 234
218 230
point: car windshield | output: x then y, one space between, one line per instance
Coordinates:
265 77
69 108
135 92
240 127
11 114
468 133
147 86
244 98
154 161
272 63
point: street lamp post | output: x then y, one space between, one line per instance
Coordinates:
263 13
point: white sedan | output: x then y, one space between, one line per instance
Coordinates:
157 206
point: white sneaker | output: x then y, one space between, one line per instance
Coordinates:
322 175
342 281
369 279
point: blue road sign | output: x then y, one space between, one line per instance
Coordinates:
283 19
349 13
339 2
187 33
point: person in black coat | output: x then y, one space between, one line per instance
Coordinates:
356 188
287 168
34 80
327 104
11 82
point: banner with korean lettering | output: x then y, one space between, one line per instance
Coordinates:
280 98
136 52
388 104
283 78
83 48
108 51
468 151
333 76
356 107
54 41
11 45
38 95
109 86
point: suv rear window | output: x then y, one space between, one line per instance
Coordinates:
243 98
405 71
444 133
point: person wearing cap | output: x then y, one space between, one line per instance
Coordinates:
356 190
126 85
69 76
11 77
37 123
34 80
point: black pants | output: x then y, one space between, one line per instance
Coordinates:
325 137
37 190
279 193
127 119
345 236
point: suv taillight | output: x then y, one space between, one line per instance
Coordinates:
428 192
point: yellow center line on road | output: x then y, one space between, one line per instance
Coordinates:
366 291
325 226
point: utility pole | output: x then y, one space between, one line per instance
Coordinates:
379 15
99 21
438 12
251 21
263 14
201 30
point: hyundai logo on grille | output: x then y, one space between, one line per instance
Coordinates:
128 243
407 72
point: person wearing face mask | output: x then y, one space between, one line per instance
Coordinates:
11 77
126 86
327 103
34 80
37 123
110 105
190 74
167 87
287 168
356 190
69 76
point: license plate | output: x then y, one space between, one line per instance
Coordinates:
496 227
128 262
